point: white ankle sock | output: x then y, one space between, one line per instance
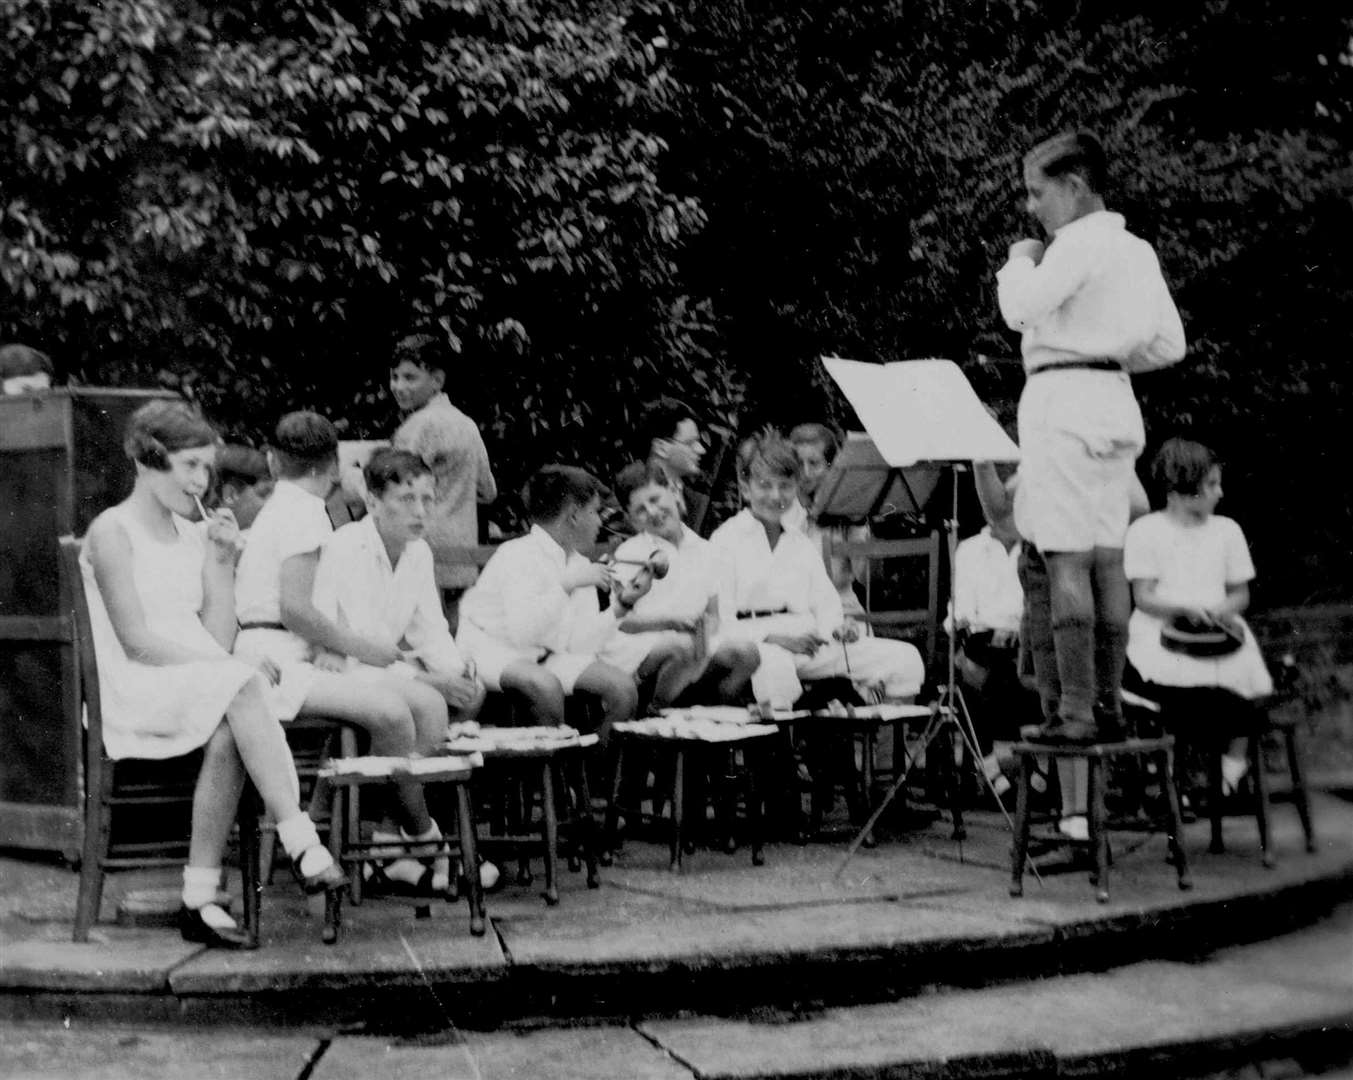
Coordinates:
441 864
301 842
200 885
1233 770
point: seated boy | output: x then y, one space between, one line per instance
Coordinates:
531 623
782 594
816 446
375 577
243 482
665 635
281 630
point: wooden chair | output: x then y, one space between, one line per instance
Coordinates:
154 787
918 622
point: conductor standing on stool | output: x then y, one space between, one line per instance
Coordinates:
1092 307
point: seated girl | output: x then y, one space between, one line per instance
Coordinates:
1187 561
162 603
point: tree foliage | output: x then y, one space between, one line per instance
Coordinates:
592 202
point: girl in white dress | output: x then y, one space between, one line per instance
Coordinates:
1186 560
161 597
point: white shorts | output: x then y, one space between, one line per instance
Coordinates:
628 651
491 657
291 653
1080 432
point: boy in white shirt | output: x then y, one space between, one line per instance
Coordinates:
782 595
376 577
1092 308
532 624
281 626
658 639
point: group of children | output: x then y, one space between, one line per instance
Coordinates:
210 638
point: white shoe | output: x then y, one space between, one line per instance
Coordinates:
1075 827
1233 770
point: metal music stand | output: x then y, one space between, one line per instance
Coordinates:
922 416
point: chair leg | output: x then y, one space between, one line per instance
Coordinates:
250 864
611 830
1099 833
1019 847
1214 798
1300 796
954 759
1260 777
94 850
550 827
1176 820
757 762
586 826
469 857
333 898
678 806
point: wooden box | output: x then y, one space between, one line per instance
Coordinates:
61 463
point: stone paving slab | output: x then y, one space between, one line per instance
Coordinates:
603 1053
389 948
122 962
1087 1023
31 1052
734 938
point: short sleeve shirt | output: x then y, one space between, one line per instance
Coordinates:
292 522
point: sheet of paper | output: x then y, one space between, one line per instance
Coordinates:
921 410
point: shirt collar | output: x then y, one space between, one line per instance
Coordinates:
1095 221
549 545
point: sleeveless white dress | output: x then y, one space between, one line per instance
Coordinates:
161 711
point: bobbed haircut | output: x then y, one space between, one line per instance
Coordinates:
1181 466
659 421
1078 152
303 442
241 465
17 360
555 488
817 435
772 450
160 428
636 475
422 349
388 467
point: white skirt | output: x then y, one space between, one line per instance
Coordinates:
1242 672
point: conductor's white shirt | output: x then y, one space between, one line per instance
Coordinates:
1098 293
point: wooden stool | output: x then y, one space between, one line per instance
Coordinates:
1097 756
1259 779
521 763
690 743
347 776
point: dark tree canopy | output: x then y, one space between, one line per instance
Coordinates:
596 202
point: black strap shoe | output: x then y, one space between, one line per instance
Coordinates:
194 929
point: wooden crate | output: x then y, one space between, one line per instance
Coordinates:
61 463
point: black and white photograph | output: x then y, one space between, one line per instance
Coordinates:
668 540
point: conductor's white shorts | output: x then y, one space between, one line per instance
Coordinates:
1080 432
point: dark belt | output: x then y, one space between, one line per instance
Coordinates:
261 626
1078 365
764 613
